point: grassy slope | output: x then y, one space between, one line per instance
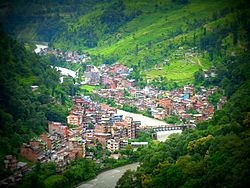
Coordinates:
152 36
157 26
152 33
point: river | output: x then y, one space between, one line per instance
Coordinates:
67 72
109 178
145 121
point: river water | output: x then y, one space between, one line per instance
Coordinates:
108 179
66 72
145 121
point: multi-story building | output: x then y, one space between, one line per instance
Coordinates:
113 145
10 162
75 119
92 75
58 128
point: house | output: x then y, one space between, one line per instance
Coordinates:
58 128
31 152
221 102
167 104
138 144
77 146
113 145
75 119
92 75
102 134
46 139
10 162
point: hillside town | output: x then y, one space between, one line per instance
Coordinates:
91 123
189 104
66 55
62 143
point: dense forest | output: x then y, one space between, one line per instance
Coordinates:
25 108
128 31
179 37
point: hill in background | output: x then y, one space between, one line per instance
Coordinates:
169 38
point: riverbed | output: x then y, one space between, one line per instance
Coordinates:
109 178
145 121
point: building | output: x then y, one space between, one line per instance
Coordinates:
58 128
92 75
138 144
113 145
102 134
10 162
76 147
132 127
75 119
31 152
167 105
45 137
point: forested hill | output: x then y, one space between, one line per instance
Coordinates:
215 154
30 95
140 33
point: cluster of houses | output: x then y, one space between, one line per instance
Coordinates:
16 167
89 123
101 122
59 145
92 75
66 55
114 76
190 105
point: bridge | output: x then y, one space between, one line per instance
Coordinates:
161 133
172 127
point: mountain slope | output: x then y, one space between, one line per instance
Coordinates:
215 154
138 33
30 96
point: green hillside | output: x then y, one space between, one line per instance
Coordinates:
31 95
139 33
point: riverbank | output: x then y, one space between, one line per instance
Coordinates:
109 178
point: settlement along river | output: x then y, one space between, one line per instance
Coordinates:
109 178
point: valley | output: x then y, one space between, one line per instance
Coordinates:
121 93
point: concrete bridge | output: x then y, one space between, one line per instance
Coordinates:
162 132
172 127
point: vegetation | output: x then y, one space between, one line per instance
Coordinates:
87 89
45 175
60 62
172 119
191 111
144 136
130 108
24 111
214 98
216 153
180 36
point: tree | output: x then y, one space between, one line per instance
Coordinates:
172 119
128 180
